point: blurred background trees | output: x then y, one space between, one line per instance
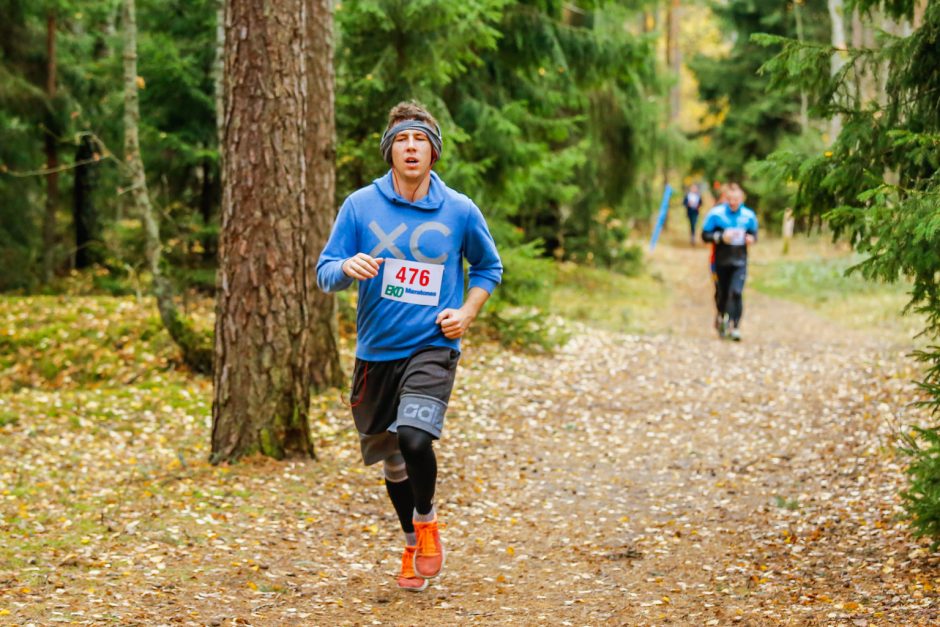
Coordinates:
551 113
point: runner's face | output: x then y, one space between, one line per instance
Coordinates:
734 199
411 154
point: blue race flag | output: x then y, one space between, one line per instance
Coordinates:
663 211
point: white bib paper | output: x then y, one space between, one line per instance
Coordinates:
737 237
412 282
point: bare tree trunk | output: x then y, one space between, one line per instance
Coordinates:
195 353
836 16
858 42
674 56
880 71
272 327
52 154
920 7
804 100
208 194
210 244
218 73
83 208
320 155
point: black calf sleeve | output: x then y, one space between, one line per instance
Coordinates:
416 447
403 500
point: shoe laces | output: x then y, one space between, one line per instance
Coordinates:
407 561
426 541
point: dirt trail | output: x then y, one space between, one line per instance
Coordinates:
628 480
677 479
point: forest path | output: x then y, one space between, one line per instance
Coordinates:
675 478
666 478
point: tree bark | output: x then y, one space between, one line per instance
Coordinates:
836 17
320 156
207 197
804 100
273 330
83 209
674 57
52 154
195 351
218 74
920 8
210 244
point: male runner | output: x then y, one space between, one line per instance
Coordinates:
404 238
732 227
722 190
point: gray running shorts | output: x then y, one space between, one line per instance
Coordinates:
411 392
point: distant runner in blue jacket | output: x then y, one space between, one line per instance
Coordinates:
404 238
732 227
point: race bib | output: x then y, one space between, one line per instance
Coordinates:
412 282
736 236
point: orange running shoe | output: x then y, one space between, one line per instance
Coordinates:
407 579
429 557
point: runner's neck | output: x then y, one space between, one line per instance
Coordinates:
412 191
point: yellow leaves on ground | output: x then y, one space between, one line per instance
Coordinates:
652 503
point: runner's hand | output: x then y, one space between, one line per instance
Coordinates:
749 238
454 322
361 267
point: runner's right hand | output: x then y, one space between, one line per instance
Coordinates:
361 266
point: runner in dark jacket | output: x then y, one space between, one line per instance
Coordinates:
692 203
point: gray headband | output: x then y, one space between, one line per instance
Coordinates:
434 135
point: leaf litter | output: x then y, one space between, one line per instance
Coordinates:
628 479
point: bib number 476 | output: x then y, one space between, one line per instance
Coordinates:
412 282
423 276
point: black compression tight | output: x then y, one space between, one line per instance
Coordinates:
404 501
416 447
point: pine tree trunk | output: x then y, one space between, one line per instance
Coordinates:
836 17
207 197
674 57
804 100
272 327
195 353
83 209
52 155
321 190
211 248
920 8
218 73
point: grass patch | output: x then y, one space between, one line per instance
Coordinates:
8 418
56 342
822 283
818 279
786 503
607 299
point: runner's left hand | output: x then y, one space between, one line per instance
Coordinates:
749 238
454 322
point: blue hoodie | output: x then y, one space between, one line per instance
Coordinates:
441 229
